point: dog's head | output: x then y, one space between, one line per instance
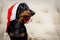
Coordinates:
23 11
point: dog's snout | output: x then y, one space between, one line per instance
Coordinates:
32 12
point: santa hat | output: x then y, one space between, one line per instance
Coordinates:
12 14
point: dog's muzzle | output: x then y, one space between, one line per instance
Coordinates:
32 12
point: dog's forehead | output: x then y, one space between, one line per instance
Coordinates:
23 6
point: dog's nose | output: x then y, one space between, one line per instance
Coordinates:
32 12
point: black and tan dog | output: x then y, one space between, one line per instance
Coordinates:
17 29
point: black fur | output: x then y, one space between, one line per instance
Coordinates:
16 29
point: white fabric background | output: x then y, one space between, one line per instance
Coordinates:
45 23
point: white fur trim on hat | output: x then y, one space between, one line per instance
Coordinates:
14 12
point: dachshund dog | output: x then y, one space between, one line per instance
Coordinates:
17 29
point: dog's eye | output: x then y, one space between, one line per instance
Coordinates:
21 7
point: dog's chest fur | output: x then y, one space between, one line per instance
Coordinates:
17 28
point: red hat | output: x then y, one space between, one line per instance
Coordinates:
12 14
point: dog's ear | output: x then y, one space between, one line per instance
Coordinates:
18 11
17 14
